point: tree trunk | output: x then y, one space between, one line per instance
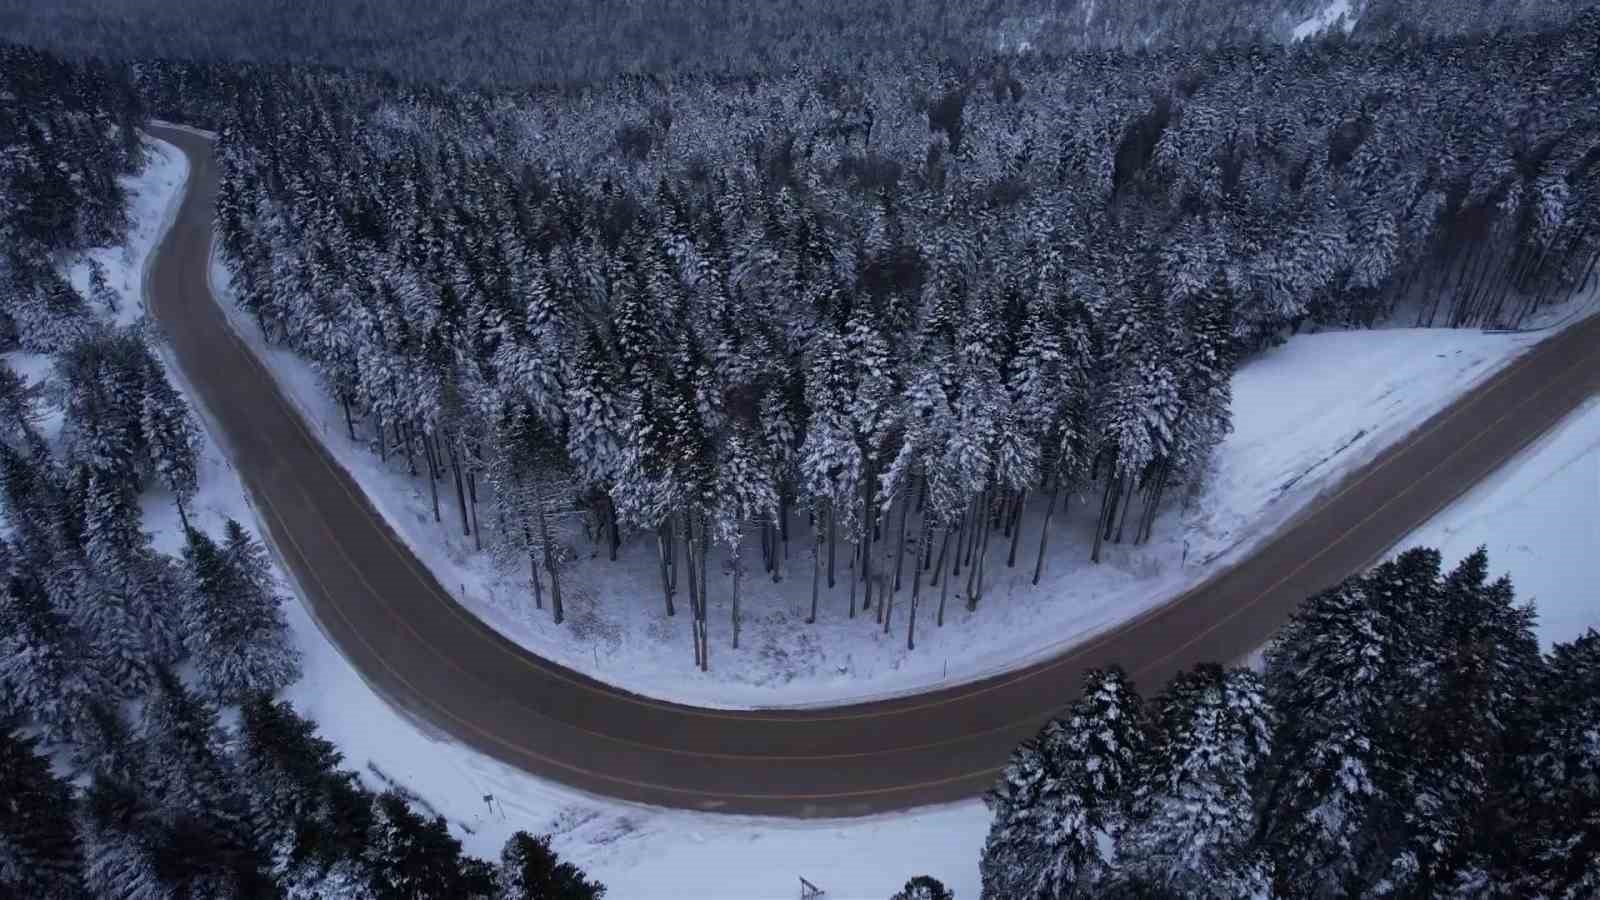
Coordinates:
549 553
433 476
944 577
924 542
694 592
383 443
832 535
1127 502
533 566
783 521
461 492
981 532
961 543
405 434
1112 485
616 529
900 549
866 540
976 591
705 596
1044 531
816 568
664 553
1016 527
738 570
349 423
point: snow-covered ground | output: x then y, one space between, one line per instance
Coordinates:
1305 413
1325 18
1539 517
1296 407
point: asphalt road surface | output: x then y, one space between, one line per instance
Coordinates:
434 660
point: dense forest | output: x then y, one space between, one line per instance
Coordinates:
901 304
1406 739
520 43
141 752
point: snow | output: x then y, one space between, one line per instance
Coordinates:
1539 517
1294 407
1324 19
1305 413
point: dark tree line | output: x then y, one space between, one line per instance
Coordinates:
898 306
495 42
66 133
1407 739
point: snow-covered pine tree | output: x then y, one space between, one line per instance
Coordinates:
1485 669
313 817
120 844
47 675
1554 790
236 633
1338 676
530 870
40 854
409 856
1064 796
171 435
1193 812
924 887
207 840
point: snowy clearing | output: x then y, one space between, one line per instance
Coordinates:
1305 414
1540 518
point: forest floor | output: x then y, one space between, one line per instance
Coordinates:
1305 413
1538 516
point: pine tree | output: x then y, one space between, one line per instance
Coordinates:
40 854
47 675
409 857
924 887
530 870
1555 782
119 845
1063 794
1193 816
314 816
236 631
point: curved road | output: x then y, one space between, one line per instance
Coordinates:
431 658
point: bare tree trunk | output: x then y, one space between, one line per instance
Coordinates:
616 528
1112 486
694 592
461 491
405 432
866 540
533 566
976 567
664 552
900 549
738 571
433 475
832 536
705 596
783 521
939 573
1016 527
924 544
383 443
349 423
960 542
816 566
855 568
472 495
549 553
1127 503
1044 531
